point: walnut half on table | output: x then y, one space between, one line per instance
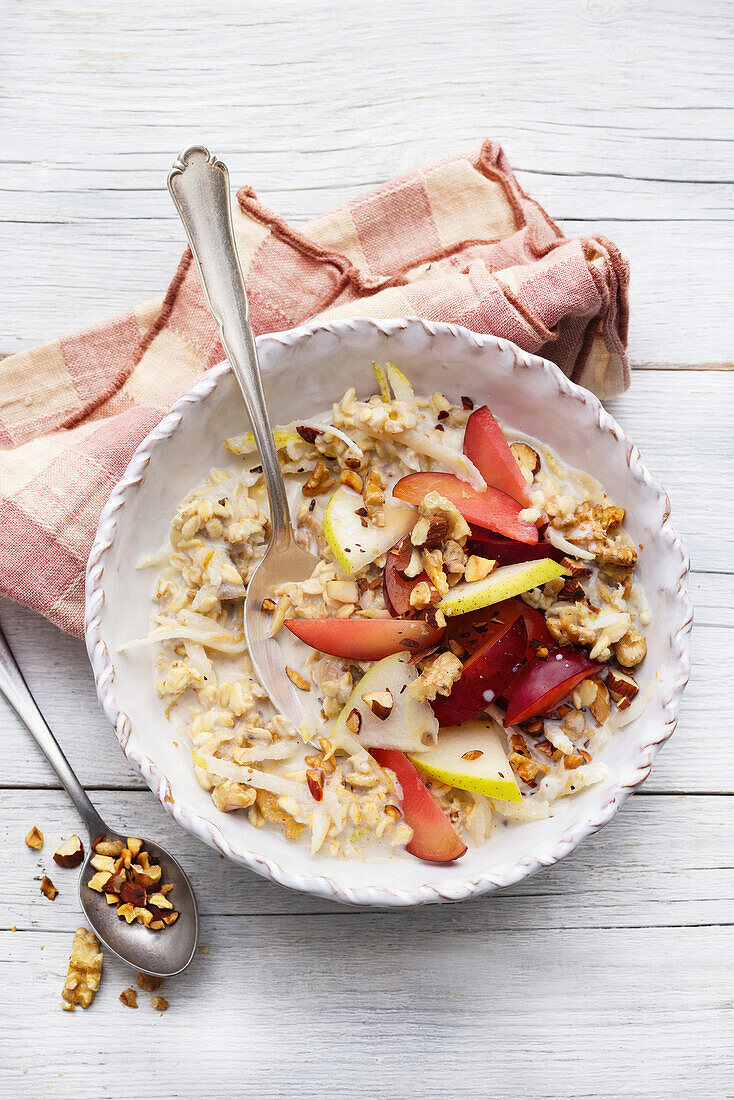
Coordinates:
85 971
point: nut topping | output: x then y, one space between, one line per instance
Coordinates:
631 649
315 781
379 702
129 998
472 754
527 459
622 688
354 721
297 679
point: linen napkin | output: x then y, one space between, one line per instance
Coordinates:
456 241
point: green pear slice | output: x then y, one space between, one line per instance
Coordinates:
454 760
245 444
410 724
507 581
355 546
401 387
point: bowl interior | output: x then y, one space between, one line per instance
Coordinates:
302 377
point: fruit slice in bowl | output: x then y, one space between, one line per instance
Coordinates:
471 757
489 508
434 838
484 676
509 580
490 452
355 545
546 680
365 639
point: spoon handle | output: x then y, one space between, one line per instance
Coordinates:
199 185
17 693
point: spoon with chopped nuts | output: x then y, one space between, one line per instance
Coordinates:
134 894
199 185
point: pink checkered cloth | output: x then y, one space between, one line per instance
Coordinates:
456 241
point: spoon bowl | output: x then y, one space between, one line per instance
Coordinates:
162 953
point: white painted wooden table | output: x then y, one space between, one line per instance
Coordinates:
611 974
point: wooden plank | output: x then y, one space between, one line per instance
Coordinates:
428 1004
92 270
613 880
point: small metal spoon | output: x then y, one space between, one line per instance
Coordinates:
162 953
199 185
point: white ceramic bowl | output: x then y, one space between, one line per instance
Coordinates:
304 371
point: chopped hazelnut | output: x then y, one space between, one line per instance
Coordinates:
352 479
70 853
48 889
631 649
379 702
477 568
34 838
148 982
527 459
160 1004
129 997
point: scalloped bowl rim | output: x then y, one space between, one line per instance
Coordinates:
319 884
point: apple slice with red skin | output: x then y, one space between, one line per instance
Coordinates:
489 508
490 452
546 681
397 586
508 551
434 837
365 639
484 676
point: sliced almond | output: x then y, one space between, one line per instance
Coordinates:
297 679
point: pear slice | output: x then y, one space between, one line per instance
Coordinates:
507 581
471 757
401 387
409 725
382 382
354 545
245 444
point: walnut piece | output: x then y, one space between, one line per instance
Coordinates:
437 678
160 1004
318 481
352 479
267 803
631 649
373 496
228 796
433 565
85 971
34 838
129 997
